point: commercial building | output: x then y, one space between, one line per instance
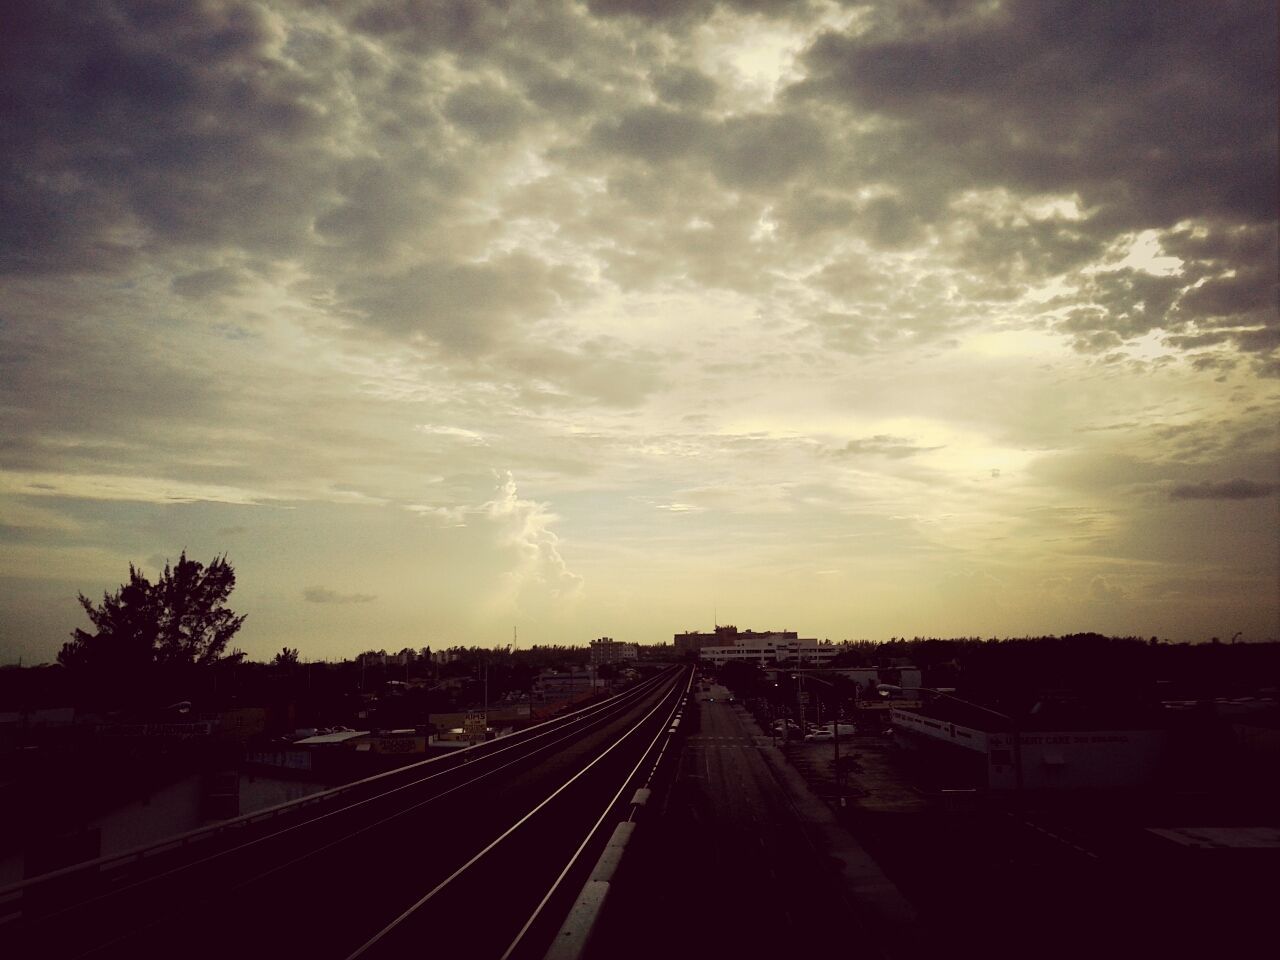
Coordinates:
726 636
608 650
564 685
769 648
989 754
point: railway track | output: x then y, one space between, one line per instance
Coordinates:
475 854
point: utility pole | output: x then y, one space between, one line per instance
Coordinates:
800 701
835 742
835 738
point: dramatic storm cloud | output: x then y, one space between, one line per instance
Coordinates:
861 319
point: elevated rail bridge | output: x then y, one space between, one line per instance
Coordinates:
480 853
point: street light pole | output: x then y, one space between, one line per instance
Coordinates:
800 704
885 689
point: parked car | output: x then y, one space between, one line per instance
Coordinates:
846 729
819 735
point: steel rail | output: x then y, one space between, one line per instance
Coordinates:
597 720
427 897
137 855
594 722
667 731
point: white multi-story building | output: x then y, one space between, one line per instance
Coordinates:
764 649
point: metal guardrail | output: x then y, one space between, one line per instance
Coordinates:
11 896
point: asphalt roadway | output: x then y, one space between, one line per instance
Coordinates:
741 860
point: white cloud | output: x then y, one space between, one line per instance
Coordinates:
536 575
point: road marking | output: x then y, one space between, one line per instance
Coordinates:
1060 839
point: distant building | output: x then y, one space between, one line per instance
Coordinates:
563 685
763 649
726 636
608 650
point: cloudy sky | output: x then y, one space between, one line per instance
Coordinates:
615 317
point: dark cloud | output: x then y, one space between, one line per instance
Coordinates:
561 94
1231 294
764 150
326 595
751 151
687 10
375 205
1220 244
1237 489
129 127
467 26
653 133
807 212
1146 117
1096 341
488 112
1013 250
207 283
1152 113
1244 294
685 87
651 9
1118 305
1260 340
463 306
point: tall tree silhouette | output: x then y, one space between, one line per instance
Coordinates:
286 659
125 630
195 624
180 620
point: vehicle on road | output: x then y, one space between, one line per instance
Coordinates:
846 729
819 735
